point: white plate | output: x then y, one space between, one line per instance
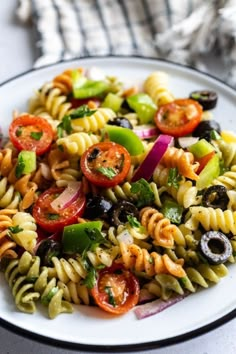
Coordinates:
88 328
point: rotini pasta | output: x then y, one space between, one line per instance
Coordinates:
77 224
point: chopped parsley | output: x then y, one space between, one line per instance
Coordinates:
53 216
91 278
133 221
111 298
143 191
174 178
64 125
109 172
82 111
15 229
19 131
36 135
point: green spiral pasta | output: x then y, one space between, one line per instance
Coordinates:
228 151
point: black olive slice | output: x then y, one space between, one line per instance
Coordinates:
97 207
215 247
204 129
207 99
46 250
120 212
121 122
215 197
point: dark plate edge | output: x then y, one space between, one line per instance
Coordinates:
126 347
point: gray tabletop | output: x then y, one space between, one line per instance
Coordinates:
17 55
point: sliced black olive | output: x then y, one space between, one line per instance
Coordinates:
207 99
121 122
215 247
121 210
46 250
97 207
215 197
204 129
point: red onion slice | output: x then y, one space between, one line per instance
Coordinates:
154 307
68 196
152 159
146 131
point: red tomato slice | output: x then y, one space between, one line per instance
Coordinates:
31 133
54 221
178 118
204 160
105 164
117 290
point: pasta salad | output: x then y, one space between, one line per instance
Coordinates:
113 196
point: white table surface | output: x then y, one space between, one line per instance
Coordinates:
17 54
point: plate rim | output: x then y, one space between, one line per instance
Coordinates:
124 347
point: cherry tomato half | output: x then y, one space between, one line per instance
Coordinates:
51 220
117 290
31 133
178 118
105 164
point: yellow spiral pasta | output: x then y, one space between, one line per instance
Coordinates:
212 219
78 143
160 229
94 122
228 179
76 293
156 86
25 234
54 101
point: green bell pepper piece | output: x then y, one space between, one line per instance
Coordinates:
75 239
209 172
144 106
26 163
125 137
201 148
113 102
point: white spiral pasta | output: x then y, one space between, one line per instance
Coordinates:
212 219
78 143
94 122
156 86
9 197
27 235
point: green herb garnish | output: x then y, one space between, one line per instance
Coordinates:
53 216
109 172
36 135
143 191
91 278
82 111
64 125
19 131
111 298
20 166
133 221
15 229
174 178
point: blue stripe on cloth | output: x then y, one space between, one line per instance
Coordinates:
104 26
76 7
54 5
123 6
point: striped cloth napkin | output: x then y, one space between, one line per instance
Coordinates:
183 31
